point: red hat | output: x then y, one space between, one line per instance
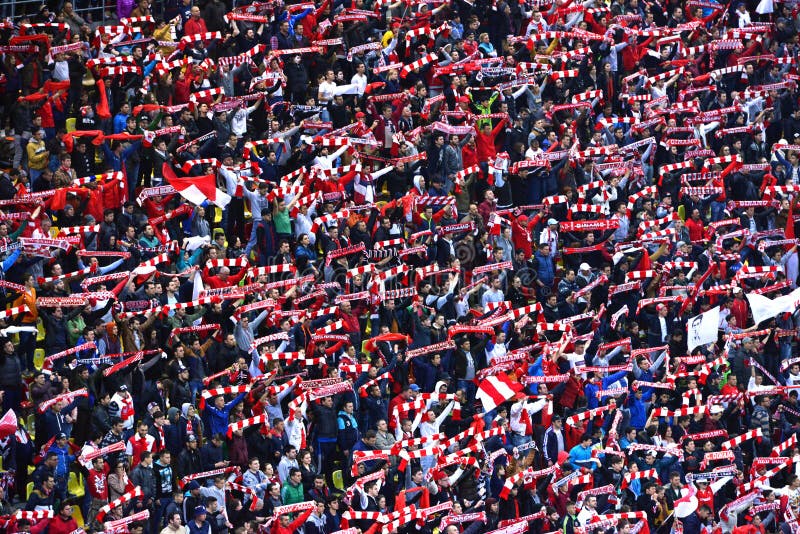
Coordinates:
360 115
464 99
439 475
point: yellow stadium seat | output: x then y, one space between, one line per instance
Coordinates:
338 480
54 230
31 469
29 490
77 515
682 212
71 124
75 485
38 359
30 425
40 330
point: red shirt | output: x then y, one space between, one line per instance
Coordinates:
706 497
98 483
696 229
469 156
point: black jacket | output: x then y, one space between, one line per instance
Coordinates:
189 462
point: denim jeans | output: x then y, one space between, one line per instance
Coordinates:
252 241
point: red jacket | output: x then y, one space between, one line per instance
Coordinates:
396 401
58 525
485 143
739 310
216 282
293 526
193 27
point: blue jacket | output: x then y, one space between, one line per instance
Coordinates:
64 460
115 161
218 419
545 268
638 411
591 389
580 457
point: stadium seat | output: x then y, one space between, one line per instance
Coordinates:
70 124
30 424
38 359
28 490
682 212
338 480
40 329
75 485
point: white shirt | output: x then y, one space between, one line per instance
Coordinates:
61 71
549 237
360 81
326 92
239 122
663 325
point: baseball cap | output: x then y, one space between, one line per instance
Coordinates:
61 435
200 510
652 453
716 409
193 485
551 221
192 437
585 267
414 387
360 115
123 387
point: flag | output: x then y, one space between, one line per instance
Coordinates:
703 329
196 189
687 504
764 308
495 390
8 424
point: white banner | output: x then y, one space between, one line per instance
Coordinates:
764 308
703 329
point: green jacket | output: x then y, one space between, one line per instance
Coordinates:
292 494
